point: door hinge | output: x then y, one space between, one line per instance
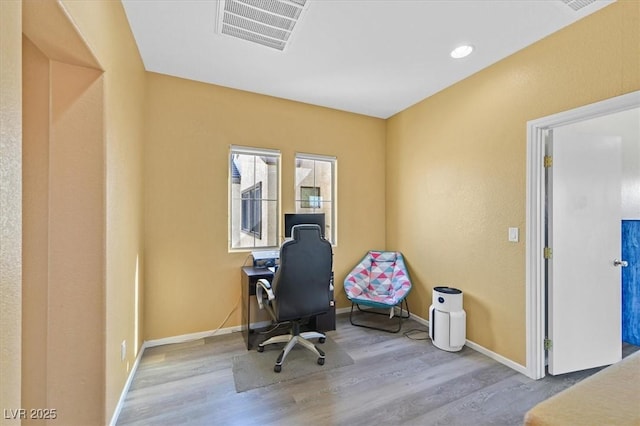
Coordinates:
547 344
548 253
548 161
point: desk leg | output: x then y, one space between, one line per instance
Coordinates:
246 311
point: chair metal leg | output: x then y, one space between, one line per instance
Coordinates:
368 311
283 338
313 335
287 349
291 340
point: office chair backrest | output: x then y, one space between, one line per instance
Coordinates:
301 283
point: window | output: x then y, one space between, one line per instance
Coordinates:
315 189
254 187
310 197
252 210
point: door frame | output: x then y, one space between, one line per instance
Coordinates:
535 218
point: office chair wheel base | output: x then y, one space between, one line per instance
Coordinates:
260 348
321 340
320 361
277 368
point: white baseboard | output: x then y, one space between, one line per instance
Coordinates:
195 336
343 310
203 334
484 351
420 320
127 385
168 341
396 309
497 357
183 338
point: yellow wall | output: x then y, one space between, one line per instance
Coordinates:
63 230
83 117
75 316
191 281
10 206
454 183
463 151
35 222
104 26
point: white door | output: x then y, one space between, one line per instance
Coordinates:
584 284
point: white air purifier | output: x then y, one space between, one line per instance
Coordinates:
447 319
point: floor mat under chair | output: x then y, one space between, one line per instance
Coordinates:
255 370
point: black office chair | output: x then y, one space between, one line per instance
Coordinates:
300 289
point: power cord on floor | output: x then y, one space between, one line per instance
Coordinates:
227 318
413 331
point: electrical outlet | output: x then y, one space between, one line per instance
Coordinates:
123 350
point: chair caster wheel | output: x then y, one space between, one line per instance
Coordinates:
322 340
260 348
320 361
277 368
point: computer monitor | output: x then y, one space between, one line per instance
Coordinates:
293 219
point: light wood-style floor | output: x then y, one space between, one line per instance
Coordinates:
394 380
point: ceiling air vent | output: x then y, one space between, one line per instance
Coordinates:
578 4
266 22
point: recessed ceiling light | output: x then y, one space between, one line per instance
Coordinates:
461 51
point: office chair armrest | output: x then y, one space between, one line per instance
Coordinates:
263 285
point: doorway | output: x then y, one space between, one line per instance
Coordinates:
536 200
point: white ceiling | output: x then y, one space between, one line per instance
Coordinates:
372 57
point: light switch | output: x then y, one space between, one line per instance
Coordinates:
514 235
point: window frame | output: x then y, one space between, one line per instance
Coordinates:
298 199
272 155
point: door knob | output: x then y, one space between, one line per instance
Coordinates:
623 263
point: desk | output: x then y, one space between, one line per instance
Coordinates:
250 277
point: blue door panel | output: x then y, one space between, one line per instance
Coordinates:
631 282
